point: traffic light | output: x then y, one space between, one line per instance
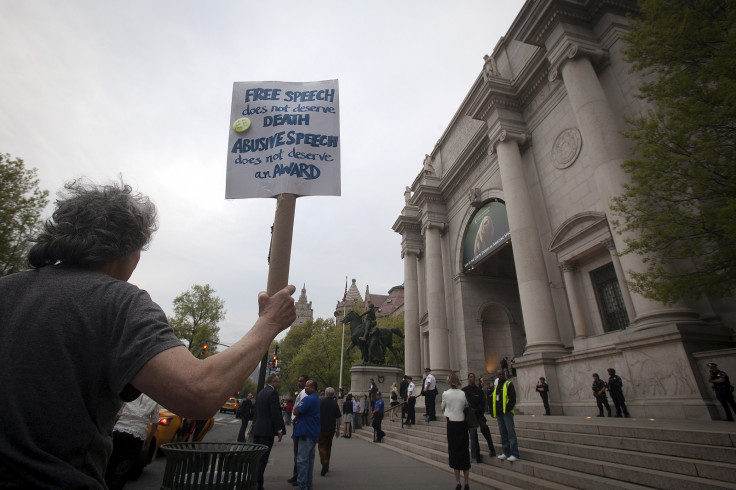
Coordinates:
204 350
275 360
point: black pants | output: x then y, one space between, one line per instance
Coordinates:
474 442
411 411
243 428
619 402
726 399
378 433
545 402
602 401
266 441
429 398
126 449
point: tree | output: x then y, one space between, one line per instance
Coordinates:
196 315
681 201
21 204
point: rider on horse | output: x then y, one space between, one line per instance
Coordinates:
370 325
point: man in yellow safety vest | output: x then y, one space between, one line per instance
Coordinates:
504 400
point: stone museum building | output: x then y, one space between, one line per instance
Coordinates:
507 236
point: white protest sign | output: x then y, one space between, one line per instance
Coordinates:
284 138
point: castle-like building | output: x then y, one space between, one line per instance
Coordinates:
507 240
391 304
304 310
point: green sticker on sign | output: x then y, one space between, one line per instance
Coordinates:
241 125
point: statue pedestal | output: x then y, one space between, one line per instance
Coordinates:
384 376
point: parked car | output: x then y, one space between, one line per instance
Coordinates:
231 405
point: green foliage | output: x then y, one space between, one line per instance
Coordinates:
21 204
397 342
313 348
248 386
681 201
196 315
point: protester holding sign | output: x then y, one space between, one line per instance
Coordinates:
74 326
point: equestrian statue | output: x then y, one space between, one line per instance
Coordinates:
372 341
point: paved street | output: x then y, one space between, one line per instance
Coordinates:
356 464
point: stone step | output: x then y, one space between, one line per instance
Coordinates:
493 472
654 461
496 478
696 465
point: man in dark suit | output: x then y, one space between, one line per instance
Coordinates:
269 422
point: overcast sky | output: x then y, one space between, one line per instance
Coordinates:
143 88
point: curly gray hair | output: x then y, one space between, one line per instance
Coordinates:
93 224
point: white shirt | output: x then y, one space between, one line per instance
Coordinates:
134 417
410 389
299 398
453 403
429 383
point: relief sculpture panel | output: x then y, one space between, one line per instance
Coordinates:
660 372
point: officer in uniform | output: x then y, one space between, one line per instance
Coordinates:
724 390
616 388
599 391
543 390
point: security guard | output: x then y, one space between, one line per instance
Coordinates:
599 391
616 389
724 390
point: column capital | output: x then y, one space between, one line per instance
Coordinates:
569 265
504 135
609 244
442 226
416 252
571 50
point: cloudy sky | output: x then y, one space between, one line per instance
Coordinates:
143 89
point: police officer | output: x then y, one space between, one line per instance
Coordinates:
724 390
616 389
599 391
543 390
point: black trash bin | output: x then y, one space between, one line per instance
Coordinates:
212 465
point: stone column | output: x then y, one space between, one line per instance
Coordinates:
542 334
412 340
598 126
576 308
437 314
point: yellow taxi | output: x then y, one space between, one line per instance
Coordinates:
169 430
231 405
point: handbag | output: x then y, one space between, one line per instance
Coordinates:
470 419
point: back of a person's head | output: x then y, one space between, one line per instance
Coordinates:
94 224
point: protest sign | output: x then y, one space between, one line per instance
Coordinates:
284 139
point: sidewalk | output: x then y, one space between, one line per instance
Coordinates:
358 464
355 464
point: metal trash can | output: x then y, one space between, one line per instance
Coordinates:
212 465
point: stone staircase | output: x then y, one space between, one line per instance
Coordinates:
587 453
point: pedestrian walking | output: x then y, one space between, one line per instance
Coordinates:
306 433
330 419
378 409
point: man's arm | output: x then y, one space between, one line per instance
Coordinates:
196 388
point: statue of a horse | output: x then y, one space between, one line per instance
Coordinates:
373 350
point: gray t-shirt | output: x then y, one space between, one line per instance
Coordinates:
71 339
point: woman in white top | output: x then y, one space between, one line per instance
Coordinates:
458 441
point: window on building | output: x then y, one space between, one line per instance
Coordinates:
608 296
